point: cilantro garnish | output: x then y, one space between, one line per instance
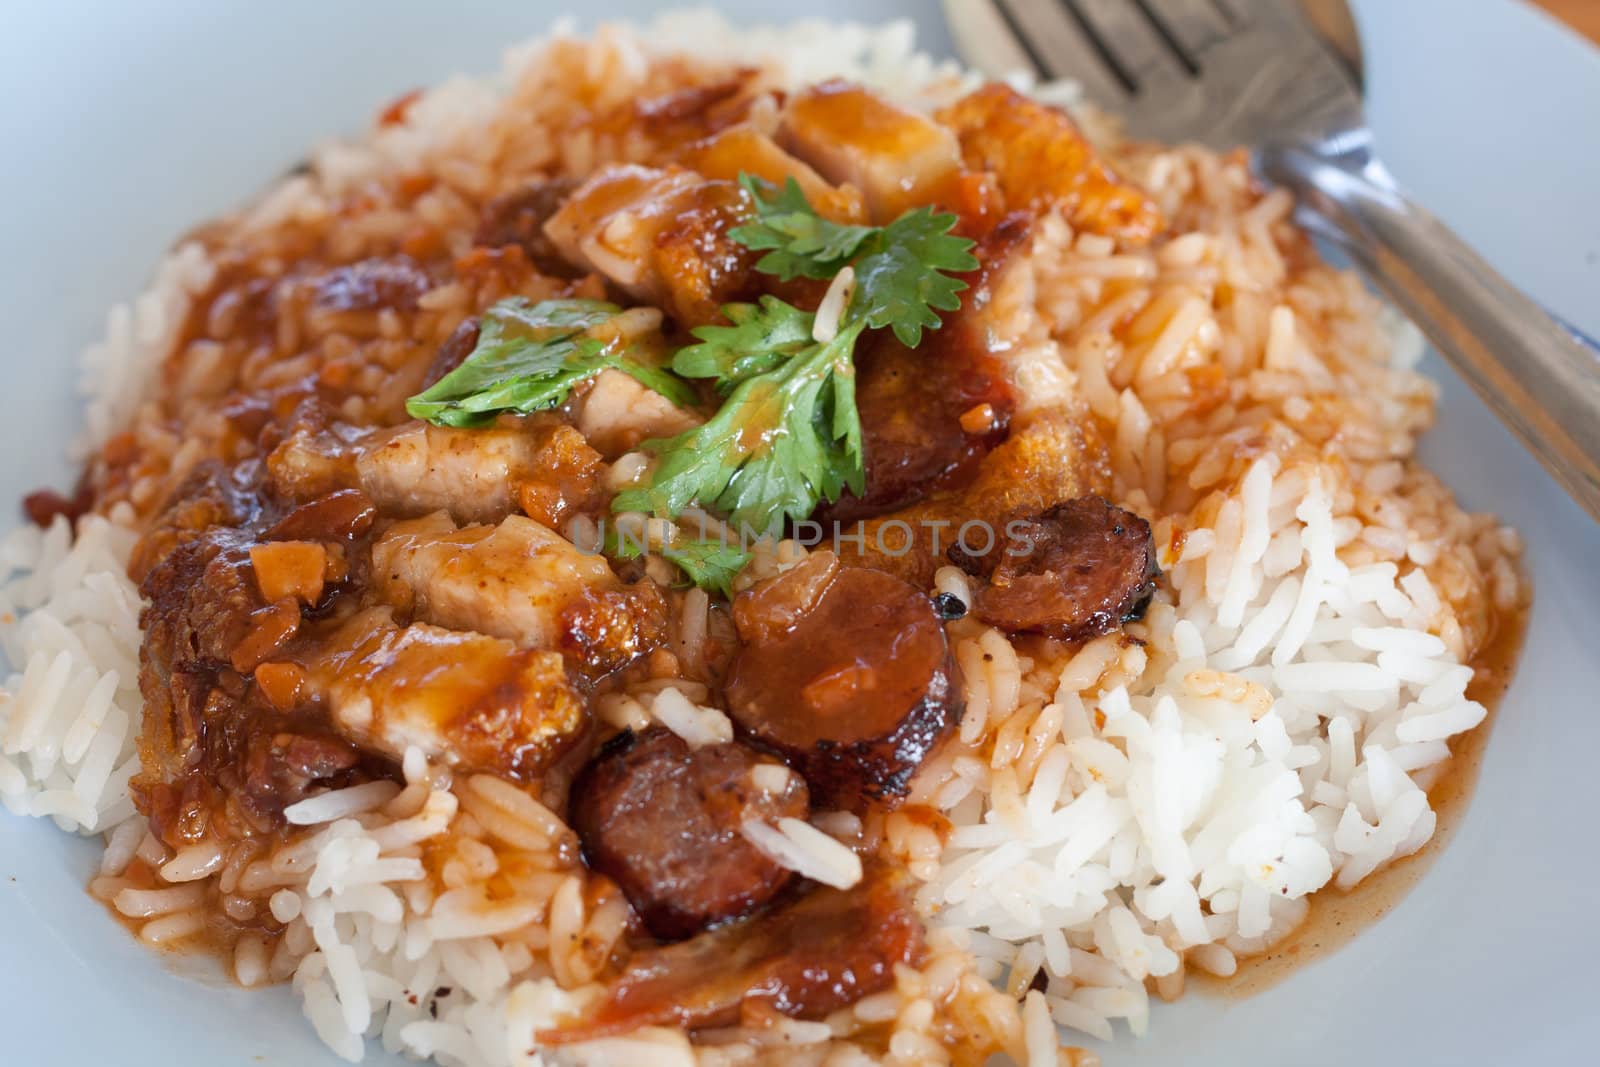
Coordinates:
803 244
529 357
788 436
709 564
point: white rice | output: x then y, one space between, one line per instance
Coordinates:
806 850
1196 820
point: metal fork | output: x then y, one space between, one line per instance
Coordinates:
1284 79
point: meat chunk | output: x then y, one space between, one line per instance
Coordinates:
282 768
855 692
519 581
1049 459
1044 161
816 954
929 416
418 468
662 236
477 475
317 456
341 515
202 596
212 495
896 157
663 820
1079 569
518 218
564 473
616 412
743 149
396 282
466 699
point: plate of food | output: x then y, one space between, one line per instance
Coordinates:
741 541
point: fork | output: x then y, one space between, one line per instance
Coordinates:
1284 79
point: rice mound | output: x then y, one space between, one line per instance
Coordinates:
1165 798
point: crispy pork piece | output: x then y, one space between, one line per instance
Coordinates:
468 700
1043 160
1051 458
661 236
743 149
897 158
520 581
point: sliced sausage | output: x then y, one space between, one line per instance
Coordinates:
342 514
854 692
663 820
454 352
1078 570
816 954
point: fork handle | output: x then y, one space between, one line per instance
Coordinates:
1531 371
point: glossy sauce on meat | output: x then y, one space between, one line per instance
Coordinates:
1077 570
930 415
847 675
813 955
663 821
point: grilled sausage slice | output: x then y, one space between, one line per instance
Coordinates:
663 820
852 682
1078 570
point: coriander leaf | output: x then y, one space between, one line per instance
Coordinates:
782 441
516 316
788 434
709 564
762 337
803 244
901 282
529 357
657 380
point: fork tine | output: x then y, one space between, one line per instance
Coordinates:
1194 25
1126 31
1060 47
988 41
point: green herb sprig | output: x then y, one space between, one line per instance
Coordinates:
529 357
788 436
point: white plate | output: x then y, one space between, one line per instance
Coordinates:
123 124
